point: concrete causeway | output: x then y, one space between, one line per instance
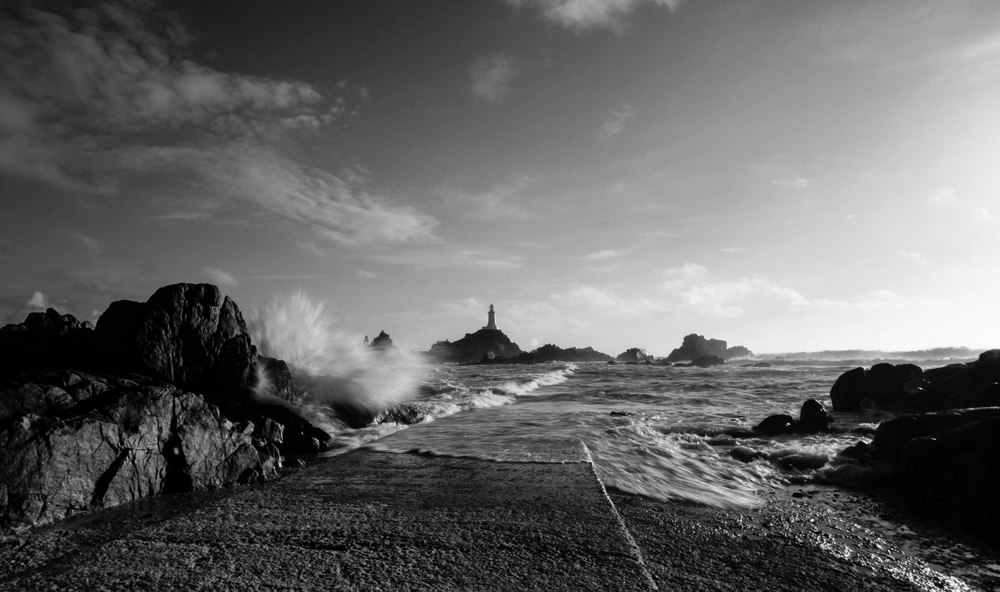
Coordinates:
369 521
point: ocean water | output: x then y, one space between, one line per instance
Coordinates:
663 432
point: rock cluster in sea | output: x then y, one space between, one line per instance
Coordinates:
695 347
483 344
634 355
552 353
159 397
944 458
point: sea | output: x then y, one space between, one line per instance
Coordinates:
665 432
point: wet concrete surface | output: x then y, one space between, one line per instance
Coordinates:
378 521
362 521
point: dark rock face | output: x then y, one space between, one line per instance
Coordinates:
45 339
187 334
906 387
696 346
553 353
774 425
946 463
634 355
813 417
485 343
71 442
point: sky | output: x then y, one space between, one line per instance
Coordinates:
787 175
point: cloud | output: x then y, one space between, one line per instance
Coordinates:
913 256
368 275
605 254
38 300
945 195
792 182
451 256
82 239
614 122
609 301
492 76
981 214
497 203
590 14
105 100
219 277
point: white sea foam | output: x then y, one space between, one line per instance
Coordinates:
330 365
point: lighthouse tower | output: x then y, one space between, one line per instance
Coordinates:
491 320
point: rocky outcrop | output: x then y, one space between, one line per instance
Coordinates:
44 340
187 334
634 355
553 353
696 346
72 442
705 361
485 343
947 464
907 387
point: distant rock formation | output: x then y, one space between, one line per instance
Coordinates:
553 353
705 361
484 343
634 355
695 346
383 343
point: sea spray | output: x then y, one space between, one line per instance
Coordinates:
334 375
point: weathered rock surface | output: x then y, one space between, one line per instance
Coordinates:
696 346
485 343
71 442
187 334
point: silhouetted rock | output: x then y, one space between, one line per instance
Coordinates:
696 346
553 353
71 442
485 343
383 343
775 425
708 361
813 417
186 334
45 340
634 355
884 386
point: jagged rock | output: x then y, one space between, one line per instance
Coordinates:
634 355
383 342
71 442
737 351
485 343
186 334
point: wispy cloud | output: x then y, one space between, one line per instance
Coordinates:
945 195
492 76
219 277
106 100
792 182
915 257
451 256
614 122
605 254
981 214
502 201
365 274
590 14
87 241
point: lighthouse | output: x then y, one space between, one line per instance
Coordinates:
491 320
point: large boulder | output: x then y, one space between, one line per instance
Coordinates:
187 334
72 442
695 346
884 386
